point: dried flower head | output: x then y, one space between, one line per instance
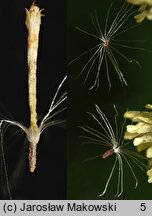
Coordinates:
141 132
33 17
145 9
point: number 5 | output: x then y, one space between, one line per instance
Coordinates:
143 206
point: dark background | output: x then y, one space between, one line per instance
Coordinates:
84 181
49 179
87 180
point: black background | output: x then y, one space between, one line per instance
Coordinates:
48 181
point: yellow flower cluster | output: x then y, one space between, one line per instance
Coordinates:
141 132
145 9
